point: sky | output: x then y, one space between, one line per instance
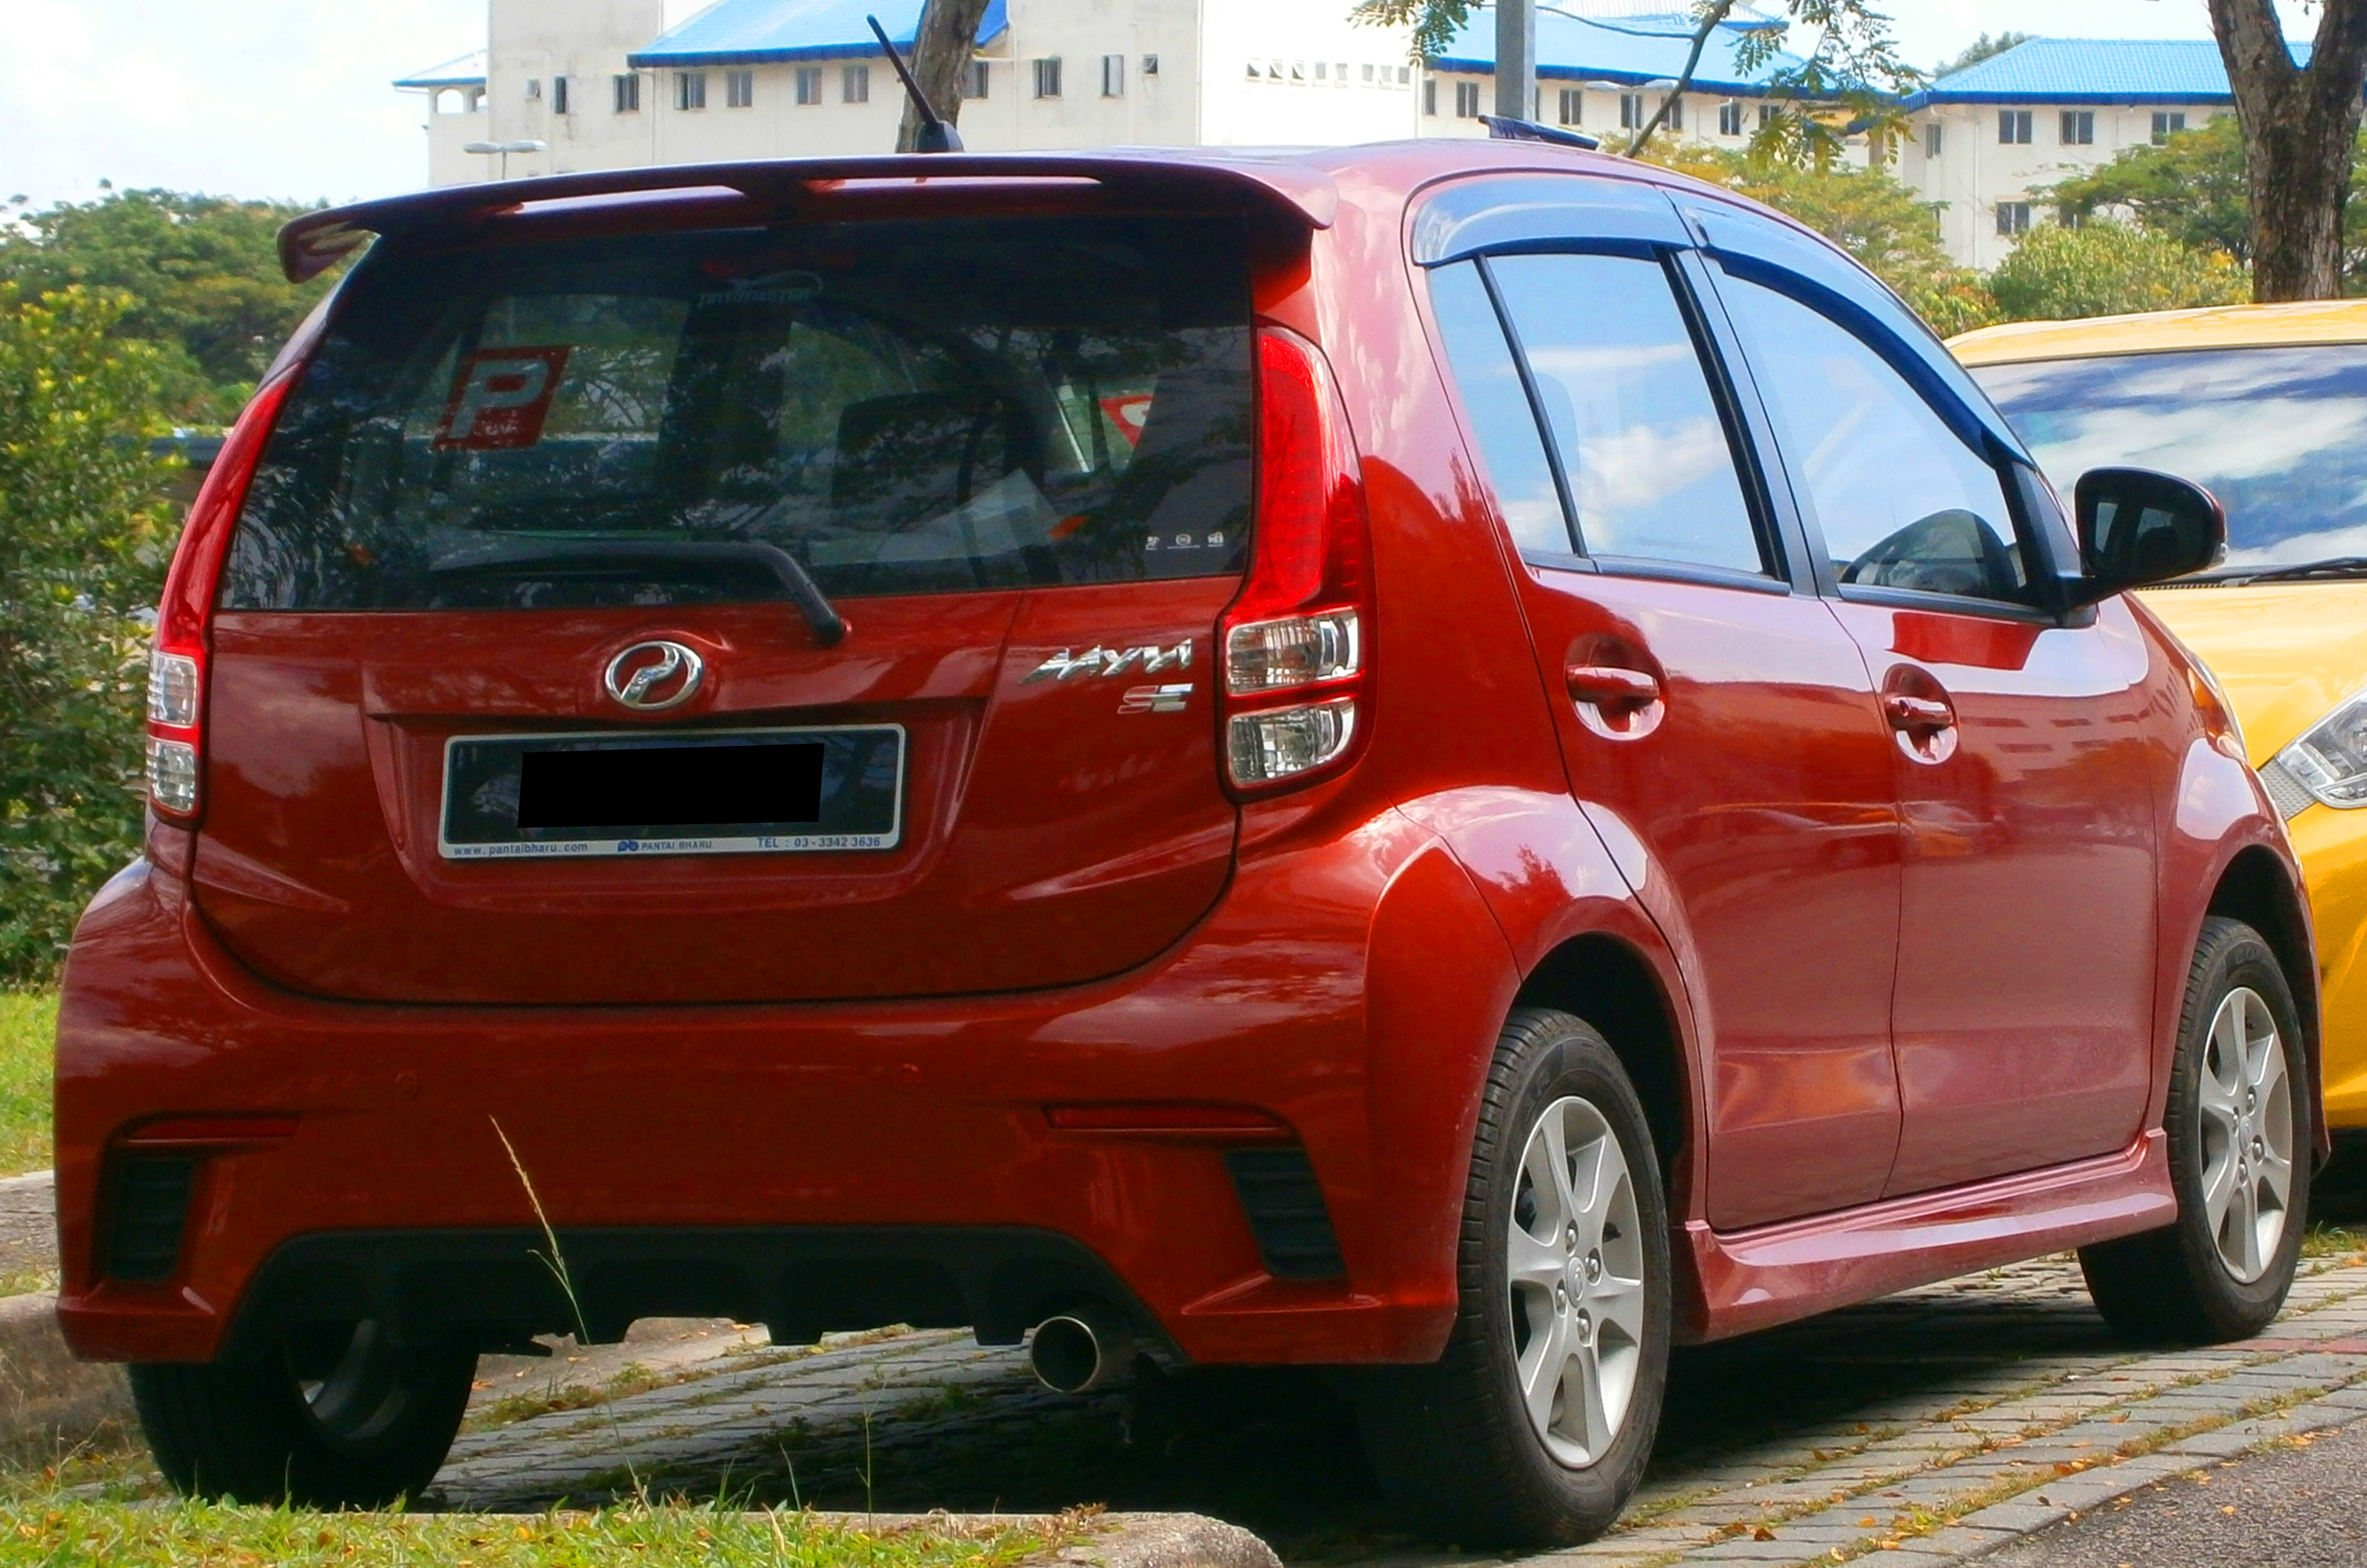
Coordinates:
289 97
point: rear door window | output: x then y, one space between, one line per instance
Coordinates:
906 407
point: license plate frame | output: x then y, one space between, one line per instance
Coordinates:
862 804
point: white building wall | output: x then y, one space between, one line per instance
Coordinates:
1598 105
1298 72
1976 171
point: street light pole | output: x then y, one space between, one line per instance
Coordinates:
502 149
1516 59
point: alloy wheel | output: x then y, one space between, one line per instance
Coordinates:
1574 1266
2244 1100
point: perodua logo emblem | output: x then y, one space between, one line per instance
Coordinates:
651 677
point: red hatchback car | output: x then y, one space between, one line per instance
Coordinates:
1463 760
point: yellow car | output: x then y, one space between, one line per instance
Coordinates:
2265 406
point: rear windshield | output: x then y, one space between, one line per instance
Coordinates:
905 407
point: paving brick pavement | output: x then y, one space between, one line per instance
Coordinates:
1933 1424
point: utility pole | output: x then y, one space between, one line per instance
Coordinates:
1516 59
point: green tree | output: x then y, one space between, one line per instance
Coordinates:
1868 214
203 276
83 544
2111 269
2194 187
1980 48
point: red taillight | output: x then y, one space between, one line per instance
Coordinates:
1296 648
176 666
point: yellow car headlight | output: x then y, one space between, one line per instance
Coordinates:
2329 758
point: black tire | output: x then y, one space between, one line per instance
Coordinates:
2174 1285
1454 1442
335 1418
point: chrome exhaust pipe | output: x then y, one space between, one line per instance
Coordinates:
1081 1350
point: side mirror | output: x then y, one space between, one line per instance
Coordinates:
2137 526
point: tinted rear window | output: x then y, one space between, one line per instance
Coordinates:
907 408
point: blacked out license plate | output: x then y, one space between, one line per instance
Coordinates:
717 792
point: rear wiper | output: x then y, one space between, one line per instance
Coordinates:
776 562
2337 566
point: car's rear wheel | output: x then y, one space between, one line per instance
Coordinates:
2239 1130
1533 1427
336 1417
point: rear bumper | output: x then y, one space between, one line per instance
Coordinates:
821 1167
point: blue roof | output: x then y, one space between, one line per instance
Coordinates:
754 32
1627 49
465 71
2093 71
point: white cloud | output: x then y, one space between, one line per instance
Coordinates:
260 97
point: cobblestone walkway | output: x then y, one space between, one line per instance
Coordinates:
1935 1423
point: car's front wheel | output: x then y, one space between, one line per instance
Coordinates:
2239 1126
1533 1430
336 1416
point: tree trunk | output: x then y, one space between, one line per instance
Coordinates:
2300 130
1711 16
942 46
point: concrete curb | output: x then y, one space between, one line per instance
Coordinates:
51 1404
1115 1541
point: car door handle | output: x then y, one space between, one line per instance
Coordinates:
1608 685
1917 713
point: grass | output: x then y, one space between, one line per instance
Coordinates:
29 1020
60 1532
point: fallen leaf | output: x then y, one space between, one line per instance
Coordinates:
1762 1533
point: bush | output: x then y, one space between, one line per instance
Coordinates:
2111 269
82 549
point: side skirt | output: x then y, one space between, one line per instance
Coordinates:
1757 1278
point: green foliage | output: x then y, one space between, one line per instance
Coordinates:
2192 189
82 551
203 275
1980 48
28 1027
60 1532
1868 214
2111 269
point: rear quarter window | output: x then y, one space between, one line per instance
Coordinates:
906 407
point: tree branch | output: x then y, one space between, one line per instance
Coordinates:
1712 13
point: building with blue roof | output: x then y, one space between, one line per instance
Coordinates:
1991 139
605 84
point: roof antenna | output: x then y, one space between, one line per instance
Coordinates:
937 134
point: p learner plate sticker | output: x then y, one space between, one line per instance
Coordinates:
500 398
703 793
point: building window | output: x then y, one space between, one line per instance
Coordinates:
1932 139
533 88
1767 113
1323 71
1368 75
690 89
1676 120
2166 123
1729 117
855 84
1405 75
1467 100
739 89
628 92
1573 107
1632 111
558 94
809 83
2013 218
1047 77
1113 75
1150 65
2078 128
1429 95
2013 128
978 79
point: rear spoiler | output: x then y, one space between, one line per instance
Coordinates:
1283 185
